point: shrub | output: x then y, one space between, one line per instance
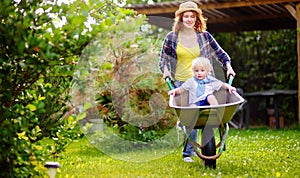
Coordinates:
40 43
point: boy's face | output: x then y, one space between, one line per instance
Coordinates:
199 72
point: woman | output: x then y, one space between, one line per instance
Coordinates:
187 41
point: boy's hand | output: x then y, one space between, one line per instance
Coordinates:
172 92
231 89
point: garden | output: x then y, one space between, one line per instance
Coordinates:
80 86
256 152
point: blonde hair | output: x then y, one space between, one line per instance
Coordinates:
200 24
201 62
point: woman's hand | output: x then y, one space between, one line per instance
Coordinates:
230 71
167 73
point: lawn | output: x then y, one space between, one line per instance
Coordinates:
249 153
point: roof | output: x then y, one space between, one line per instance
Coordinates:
228 15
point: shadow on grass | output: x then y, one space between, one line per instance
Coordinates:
83 147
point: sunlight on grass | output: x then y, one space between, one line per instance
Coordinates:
250 153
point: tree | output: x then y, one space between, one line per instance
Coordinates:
40 43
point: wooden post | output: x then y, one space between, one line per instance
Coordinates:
298 48
296 14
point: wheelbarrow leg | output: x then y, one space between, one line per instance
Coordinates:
221 132
209 146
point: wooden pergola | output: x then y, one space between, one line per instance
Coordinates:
234 16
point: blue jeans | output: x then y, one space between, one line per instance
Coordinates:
187 148
203 102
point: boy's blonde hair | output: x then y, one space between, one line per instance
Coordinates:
201 62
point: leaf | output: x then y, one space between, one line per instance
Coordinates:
81 116
22 135
41 98
87 106
31 107
70 119
48 85
37 129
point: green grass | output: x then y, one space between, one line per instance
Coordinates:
249 153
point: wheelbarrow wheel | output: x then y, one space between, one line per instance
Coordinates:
209 147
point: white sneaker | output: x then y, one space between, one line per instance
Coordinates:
188 159
179 126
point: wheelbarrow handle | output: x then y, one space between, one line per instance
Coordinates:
169 82
230 79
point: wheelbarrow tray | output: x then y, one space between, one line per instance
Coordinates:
199 116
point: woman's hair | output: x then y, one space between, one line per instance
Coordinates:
200 24
201 62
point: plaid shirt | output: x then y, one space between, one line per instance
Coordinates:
209 48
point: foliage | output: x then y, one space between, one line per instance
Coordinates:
40 43
250 153
126 82
264 60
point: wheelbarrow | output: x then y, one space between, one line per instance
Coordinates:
208 119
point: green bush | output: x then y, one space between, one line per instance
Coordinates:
125 82
41 42
265 60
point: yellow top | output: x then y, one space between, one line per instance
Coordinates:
185 56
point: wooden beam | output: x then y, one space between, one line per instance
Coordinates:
155 10
246 18
298 47
162 8
225 5
291 10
